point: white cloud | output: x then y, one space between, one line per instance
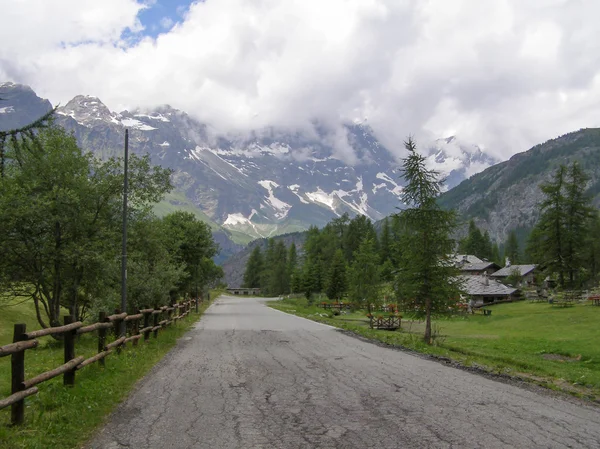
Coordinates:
166 23
506 74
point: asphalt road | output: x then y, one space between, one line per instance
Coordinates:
249 376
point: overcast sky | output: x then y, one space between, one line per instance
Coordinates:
506 74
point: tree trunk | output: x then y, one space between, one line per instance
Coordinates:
427 337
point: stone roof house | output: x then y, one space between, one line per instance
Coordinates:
484 290
464 259
479 268
527 272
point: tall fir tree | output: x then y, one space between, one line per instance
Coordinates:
511 248
579 214
279 279
558 241
427 278
336 278
363 275
254 269
547 239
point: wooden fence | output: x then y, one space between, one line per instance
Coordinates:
152 320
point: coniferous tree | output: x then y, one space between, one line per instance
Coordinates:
363 275
511 249
385 241
475 243
495 255
578 216
292 263
279 280
558 240
427 278
254 269
547 240
336 279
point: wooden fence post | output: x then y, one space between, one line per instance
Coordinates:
102 337
69 345
155 322
18 375
117 330
146 325
136 329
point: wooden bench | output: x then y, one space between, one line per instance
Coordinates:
484 312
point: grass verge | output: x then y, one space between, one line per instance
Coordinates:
553 347
61 417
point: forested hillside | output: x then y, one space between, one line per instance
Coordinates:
505 197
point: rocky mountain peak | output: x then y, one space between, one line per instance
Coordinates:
88 111
19 105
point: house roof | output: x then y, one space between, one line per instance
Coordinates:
466 258
507 271
479 266
476 285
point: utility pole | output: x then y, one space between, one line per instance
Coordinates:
124 250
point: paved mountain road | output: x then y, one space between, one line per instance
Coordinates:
248 376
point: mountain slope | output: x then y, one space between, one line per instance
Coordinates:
264 182
506 196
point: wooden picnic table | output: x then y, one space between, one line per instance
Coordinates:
595 299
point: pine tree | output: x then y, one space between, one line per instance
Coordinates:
385 241
578 216
495 255
511 249
476 243
279 279
292 264
336 279
558 240
254 269
363 276
427 278
546 242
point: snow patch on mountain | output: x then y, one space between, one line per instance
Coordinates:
235 219
451 156
396 190
155 116
7 110
281 207
319 196
136 124
294 189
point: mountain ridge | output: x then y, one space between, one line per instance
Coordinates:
268 181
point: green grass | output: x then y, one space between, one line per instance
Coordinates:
176 201
556 347
65 417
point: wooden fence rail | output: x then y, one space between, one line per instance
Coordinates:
21 388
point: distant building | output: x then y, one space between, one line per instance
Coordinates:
479 268
244 291
484 290
465 259
527 273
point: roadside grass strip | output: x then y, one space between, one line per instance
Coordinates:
554 347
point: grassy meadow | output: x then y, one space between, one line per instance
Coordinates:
61 417
552 346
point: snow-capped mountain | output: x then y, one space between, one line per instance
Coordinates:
456 160
263 183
